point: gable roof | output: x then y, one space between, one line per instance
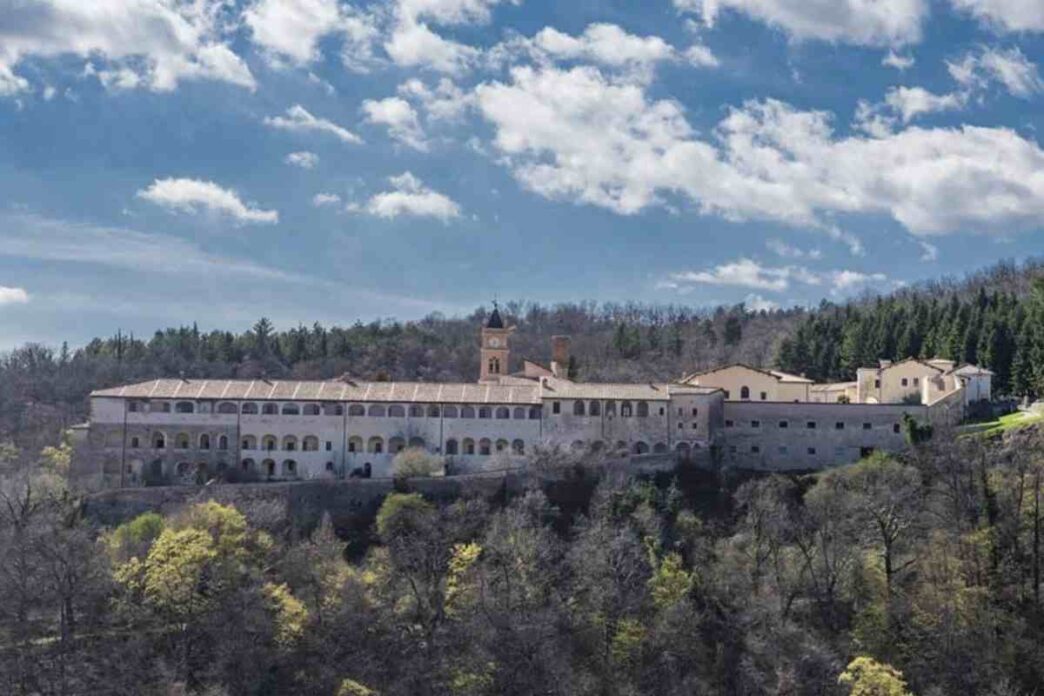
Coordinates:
776 374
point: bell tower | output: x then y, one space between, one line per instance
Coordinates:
495 351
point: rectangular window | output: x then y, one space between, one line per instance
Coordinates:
764 396
868 426
895 428
728 423
754 449
556 407
811 425
811 450
329 446
839 426
680 426
783 449
681 411
877 384
695 412
132 406
727 395
917 381
784 424
755 424
695 426
904 381
663 410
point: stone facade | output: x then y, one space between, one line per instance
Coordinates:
188 431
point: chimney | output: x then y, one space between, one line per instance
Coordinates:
560 356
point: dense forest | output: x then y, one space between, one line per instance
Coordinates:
992 318
915 575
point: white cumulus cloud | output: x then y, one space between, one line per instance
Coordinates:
1011 68
154 44
194 195
575 135
860 22
292 29
298 119
9 295
410 197
1008 15
399 117
304 159
320 200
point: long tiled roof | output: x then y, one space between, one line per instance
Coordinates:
510 391
564 389
335 390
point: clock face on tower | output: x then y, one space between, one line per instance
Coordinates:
494 343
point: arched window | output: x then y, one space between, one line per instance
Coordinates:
518 447
643 409
135 443
223 443
270 410
494 366
269 443
310 444
577 446
160 407
376 411
248 465
659 448
289 468
467 412
396 411
185 407
621 447
469 446
184 469
610 408
333 410
578 408
375 445
450 412
291 410
451 446
396 445
418 443
416 411
249 442
181 441
310 410
503 413
626 410
534 413
502 445
289 443
269 466
227 407
249 409
204 441
356 410
485 412
595 409
744 392
355 444
485 446
519 413
433 412
641 448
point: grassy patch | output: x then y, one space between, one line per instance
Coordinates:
1012 421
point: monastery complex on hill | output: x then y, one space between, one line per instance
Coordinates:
186 431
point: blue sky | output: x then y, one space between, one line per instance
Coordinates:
163 162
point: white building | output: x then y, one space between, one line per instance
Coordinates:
181 430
